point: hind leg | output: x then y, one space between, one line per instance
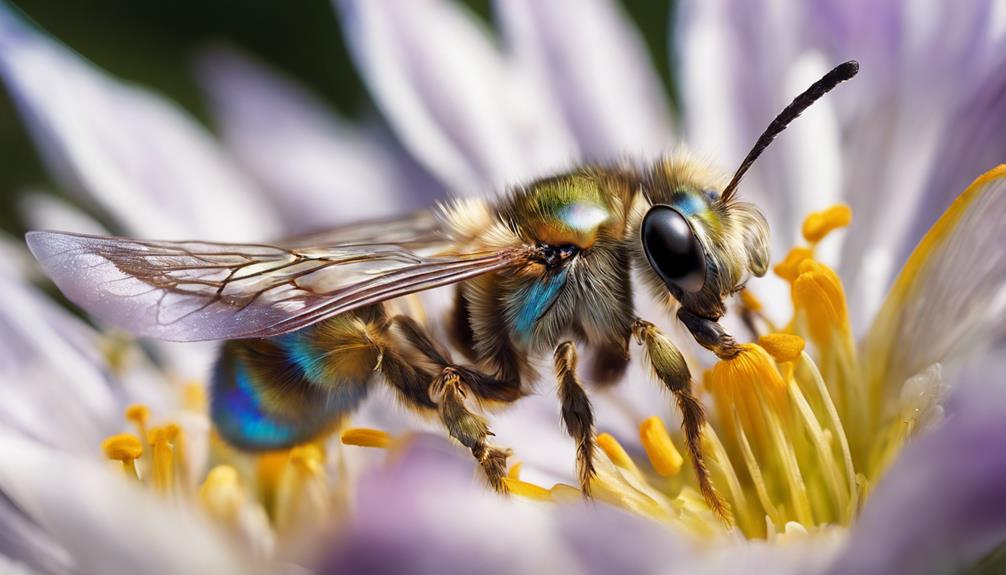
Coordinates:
447 388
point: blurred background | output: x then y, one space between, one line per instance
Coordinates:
156 44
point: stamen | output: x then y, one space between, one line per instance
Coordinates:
749 301
514 471
616 453
819 224
221 493
741 378
365 437
124 447
139 415
818 292
664 456
162 450
783 347
303 496
527 490
788 268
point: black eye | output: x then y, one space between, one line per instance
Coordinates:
672 249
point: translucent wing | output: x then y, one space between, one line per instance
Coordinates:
189 291
950 298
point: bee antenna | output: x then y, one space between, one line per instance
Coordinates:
836 76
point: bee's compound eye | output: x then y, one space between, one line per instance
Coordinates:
672 249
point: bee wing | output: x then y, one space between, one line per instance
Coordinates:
949 299
190 291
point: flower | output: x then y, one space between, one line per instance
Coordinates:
571 84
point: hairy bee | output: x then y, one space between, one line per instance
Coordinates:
310 325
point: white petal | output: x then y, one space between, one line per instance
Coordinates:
597 69
107 524
444 87
138 156
320 170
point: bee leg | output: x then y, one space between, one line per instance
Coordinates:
470 429
710 334
669 366
577 414
449 390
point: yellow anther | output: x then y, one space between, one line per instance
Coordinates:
789 267
124 447
364 437
308 457
784 347
749 301
514 471
750 369
664 456
194 396
138 415
221 493
162 450
818 292
615 452
820 224
527 490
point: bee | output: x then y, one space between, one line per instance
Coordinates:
309 326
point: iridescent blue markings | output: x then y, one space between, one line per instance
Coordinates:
298 348
537 300
689 204
239 414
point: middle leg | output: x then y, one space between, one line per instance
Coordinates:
577 414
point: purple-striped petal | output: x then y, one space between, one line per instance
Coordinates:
452 99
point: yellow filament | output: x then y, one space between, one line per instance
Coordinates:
823 448
616 453
365 437
783 347
664 456
527 490
721 462
221 493
819 224
126 448
791 468
754 470
514 471
162 451
302 495
788 268
749 301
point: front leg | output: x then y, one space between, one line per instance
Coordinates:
710 334
577 414
669 366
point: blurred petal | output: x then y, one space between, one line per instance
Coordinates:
597 69
107 524
953 476
44 211
51 387
424 512
454 102
320 171
949 301
136 155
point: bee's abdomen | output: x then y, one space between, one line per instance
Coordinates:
278 392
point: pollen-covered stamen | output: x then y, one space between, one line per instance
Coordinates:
139 416
817 225
162 448
221 494
126 448
664 456
303 498
788 268
366 437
